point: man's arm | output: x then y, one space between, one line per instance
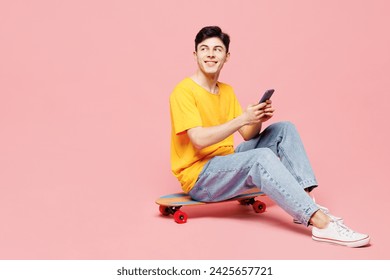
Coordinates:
202 137
248 124
252 130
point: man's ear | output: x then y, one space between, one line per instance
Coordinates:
195 56
227 57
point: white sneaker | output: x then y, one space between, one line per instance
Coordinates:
339 233
326 211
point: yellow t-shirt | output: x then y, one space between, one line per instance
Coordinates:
191 106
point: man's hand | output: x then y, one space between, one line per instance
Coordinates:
248 124
258 113
268 111
254 116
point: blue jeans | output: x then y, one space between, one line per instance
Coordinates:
275 162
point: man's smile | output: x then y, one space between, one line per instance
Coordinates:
210 62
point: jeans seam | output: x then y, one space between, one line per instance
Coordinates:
279 186
227 170
292 170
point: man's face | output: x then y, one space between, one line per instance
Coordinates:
211 55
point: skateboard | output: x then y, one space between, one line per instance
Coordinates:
171 204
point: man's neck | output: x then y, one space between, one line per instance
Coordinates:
208 82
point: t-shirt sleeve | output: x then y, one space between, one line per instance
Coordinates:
184 112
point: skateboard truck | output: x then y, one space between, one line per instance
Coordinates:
179 216
257 205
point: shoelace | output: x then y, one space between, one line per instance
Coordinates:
343 229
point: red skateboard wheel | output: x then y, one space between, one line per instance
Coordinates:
259 206
180 217
164 210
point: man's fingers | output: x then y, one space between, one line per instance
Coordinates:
259 106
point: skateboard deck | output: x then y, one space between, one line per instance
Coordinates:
170 204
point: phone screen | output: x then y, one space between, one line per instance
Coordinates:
267 95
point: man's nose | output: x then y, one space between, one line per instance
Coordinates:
210 53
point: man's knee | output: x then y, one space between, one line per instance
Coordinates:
283 125
264 154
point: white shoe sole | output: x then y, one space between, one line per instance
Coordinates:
353 244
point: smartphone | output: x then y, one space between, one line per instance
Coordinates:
267 95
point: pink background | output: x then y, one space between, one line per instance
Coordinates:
84 124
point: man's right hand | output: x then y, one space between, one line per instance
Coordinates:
257 113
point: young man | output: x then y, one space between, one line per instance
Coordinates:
205 113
